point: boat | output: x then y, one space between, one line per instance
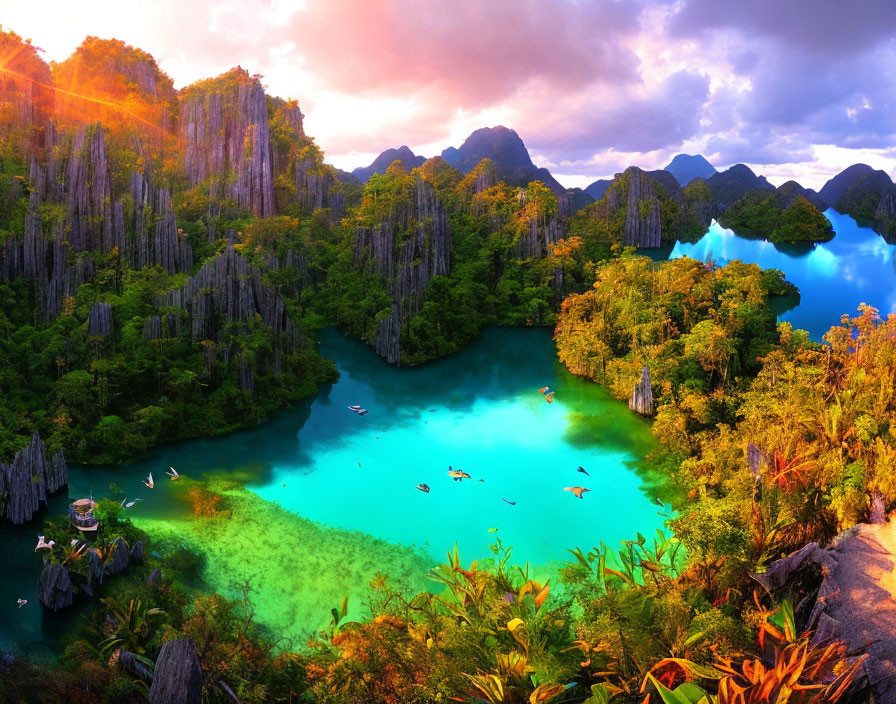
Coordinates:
357 409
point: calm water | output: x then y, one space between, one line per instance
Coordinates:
478 410
857 266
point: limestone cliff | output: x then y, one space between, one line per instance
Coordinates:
407 249
224 298
29 479
224 123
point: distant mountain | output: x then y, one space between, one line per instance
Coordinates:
506 151
867 195
839 184
403 154
347 177
597 189
733 184
787 192
686 167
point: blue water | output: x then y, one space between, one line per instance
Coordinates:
478 410
857 266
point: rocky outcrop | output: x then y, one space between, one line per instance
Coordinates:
539 233
178 675
119 557
643 225
731 185
642 395
55 587
27 482
885 216
136 554
99 323
222 300
847 592
73 183
318 187
408 249
224 124
155 578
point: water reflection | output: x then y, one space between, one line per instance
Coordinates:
857 266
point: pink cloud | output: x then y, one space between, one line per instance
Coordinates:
474 53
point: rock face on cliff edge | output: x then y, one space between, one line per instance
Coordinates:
227 289
224 123
642 395
407 262
54 587
178 674
29 479
856 597
72 179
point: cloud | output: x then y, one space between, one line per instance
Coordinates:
469 53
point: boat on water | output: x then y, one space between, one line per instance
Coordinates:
357 409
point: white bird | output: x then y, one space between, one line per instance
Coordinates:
173 474
21 602
130 504
42 544
74 542
151 484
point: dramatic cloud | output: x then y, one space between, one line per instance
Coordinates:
590 85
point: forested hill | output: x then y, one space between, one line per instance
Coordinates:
167 255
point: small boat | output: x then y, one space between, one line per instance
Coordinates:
424 488
357 409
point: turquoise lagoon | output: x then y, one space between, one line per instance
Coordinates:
332 495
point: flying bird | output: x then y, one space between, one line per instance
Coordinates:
149 482
582 470
131 504
577 490
512 503
21 602
41 544
173 474
424 488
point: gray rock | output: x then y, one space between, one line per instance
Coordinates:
27 482
100 323
136 554
642 395
118 557
178 674
154 578
55 587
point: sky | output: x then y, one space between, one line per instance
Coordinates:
793 88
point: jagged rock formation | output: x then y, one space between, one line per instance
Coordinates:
408 159
27 482
572 201
316 187
227 292
642 395
224 122
55 587
408 249
118 558
73 180
154 578
686 167
178 674
504 148
885 216
643 225
867 195
136 554
538 235
99 323
850 594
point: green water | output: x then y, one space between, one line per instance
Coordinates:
320 499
